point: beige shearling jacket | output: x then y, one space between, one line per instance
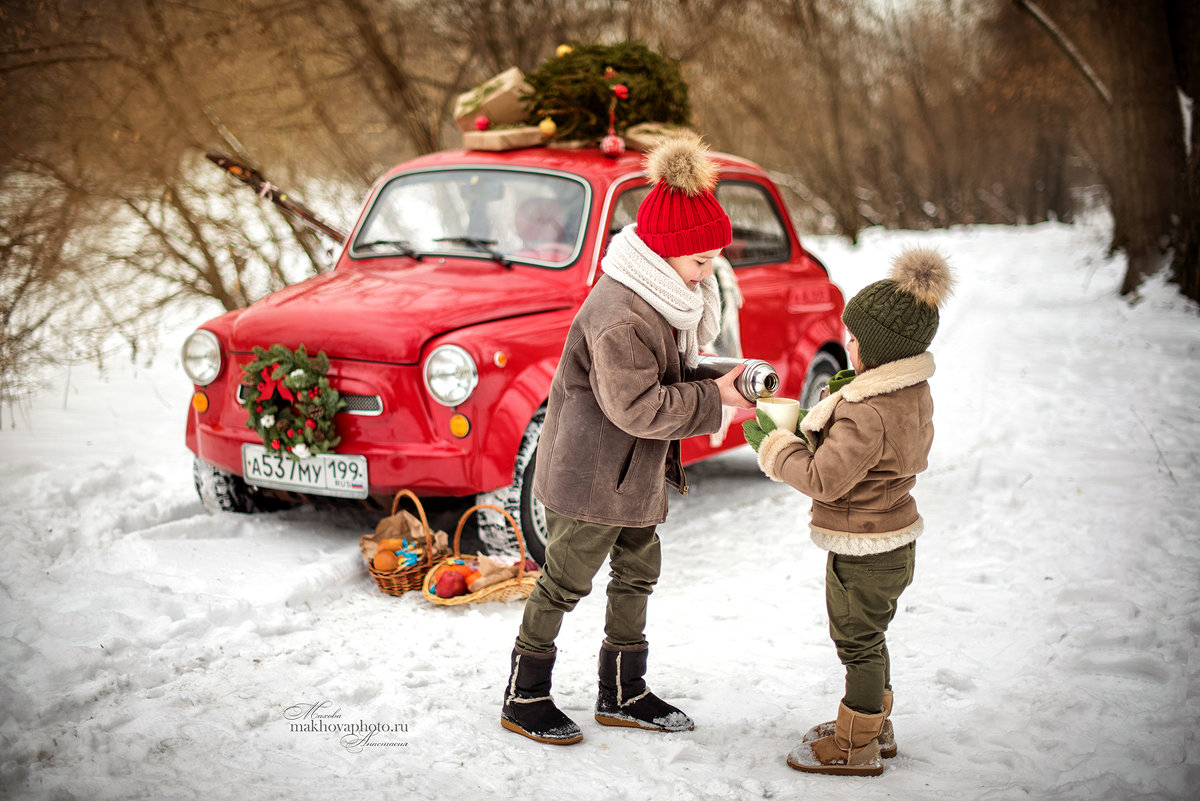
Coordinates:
617 409
866 444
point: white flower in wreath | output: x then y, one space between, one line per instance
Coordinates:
301 451
267 420
297 373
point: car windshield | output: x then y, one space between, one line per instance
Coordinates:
503 215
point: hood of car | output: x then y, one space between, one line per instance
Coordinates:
388 314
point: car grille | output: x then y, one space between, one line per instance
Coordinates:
363 405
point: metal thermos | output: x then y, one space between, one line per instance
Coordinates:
758 380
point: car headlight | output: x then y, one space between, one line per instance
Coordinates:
450 375
202 357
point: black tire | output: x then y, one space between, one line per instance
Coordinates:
224 492
822 368
518 500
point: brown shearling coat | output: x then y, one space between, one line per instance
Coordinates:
866 444
618 407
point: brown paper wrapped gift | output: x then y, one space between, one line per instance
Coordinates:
645 135
498 99
503 138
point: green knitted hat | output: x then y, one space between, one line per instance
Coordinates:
896 318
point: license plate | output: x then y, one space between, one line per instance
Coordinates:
337 475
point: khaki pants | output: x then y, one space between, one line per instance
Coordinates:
860 595
575 551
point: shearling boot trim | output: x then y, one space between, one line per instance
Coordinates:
528 708
773 446
848 543
887 734
624 699
852 750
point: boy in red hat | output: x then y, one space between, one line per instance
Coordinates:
618 406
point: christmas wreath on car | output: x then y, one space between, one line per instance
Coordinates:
290 402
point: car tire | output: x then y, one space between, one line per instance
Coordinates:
224 492
822 368
518 500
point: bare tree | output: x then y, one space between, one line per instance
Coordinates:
1154 211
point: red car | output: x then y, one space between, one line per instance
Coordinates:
446 315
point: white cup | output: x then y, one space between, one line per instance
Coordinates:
784 412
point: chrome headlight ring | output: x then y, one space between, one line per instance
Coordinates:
201 357
450 374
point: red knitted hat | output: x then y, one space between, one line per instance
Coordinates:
680 215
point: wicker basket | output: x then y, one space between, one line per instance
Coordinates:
510 589
405 579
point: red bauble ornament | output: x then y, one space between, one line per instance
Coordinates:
621 91
482 123
612 145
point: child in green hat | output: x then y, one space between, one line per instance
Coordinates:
857 454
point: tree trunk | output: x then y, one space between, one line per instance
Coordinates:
1148 175
1184 22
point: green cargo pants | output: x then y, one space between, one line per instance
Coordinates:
860 595
575 551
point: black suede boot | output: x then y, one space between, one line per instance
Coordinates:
624 699
528 707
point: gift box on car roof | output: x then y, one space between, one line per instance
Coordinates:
498 99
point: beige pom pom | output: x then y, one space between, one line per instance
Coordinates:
681 162
924 274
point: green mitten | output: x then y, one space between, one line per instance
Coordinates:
757 429
799 433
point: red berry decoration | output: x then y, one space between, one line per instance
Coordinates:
482 123
621 91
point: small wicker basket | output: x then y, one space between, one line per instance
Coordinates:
510 589
405 579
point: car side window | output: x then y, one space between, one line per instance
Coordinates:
626 209
759 235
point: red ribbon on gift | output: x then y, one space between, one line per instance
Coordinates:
268 385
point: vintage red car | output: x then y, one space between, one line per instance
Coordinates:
446 313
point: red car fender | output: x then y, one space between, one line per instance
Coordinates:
823 334
522 396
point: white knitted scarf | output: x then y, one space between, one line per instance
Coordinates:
695 313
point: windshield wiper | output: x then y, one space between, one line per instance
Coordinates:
396 244
483 245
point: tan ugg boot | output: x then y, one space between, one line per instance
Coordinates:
852 749
887 735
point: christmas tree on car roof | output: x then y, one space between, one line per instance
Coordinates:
585 94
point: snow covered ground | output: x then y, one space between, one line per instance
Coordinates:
1047 650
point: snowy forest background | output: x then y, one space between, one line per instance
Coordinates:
904 115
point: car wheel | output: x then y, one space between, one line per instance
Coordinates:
518 500
822 368
224 492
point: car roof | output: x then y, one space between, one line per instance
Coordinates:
584 161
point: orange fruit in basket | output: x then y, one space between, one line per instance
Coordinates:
391 544
386 561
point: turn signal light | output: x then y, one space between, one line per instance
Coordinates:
200 402
460 426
